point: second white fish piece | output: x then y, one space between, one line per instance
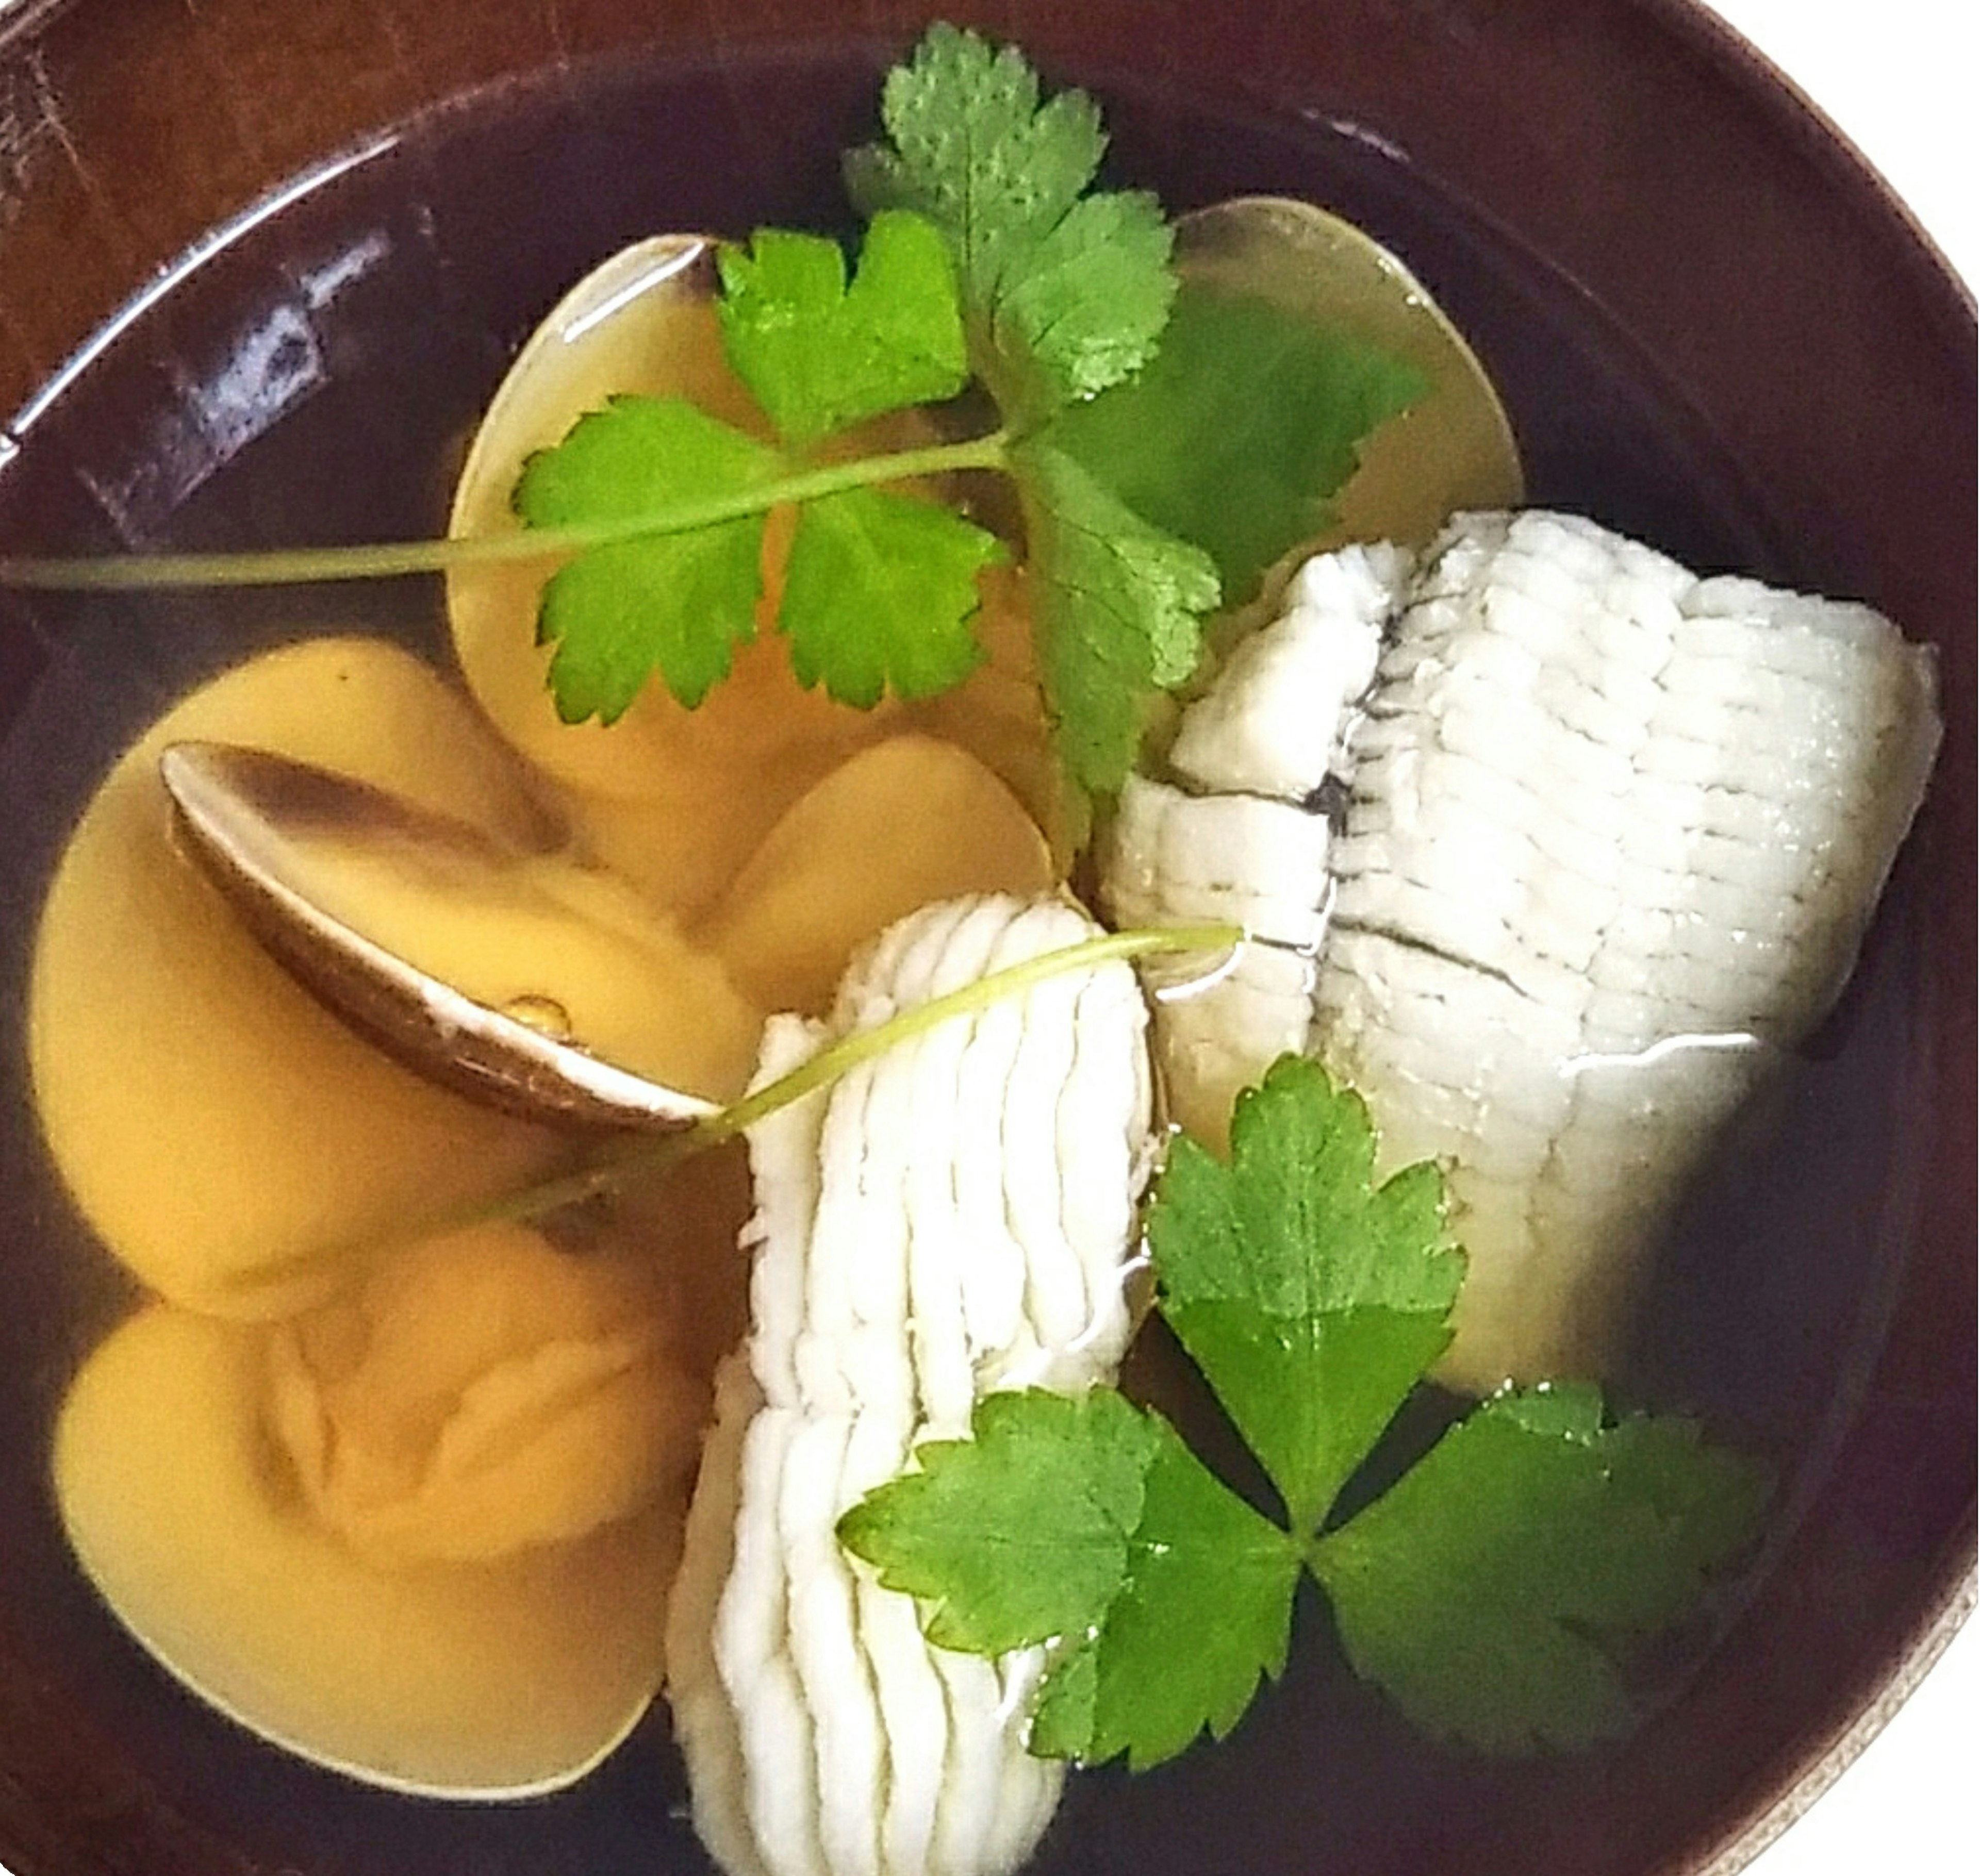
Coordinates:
824 1735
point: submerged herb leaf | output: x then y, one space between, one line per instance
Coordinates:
676 603
1485 1591
1064 292
878 593
1312 1299
1240 431
1119 614
1085 311
820 355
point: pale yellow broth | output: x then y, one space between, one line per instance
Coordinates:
218 1128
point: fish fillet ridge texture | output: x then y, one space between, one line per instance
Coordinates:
957 1215
1612 834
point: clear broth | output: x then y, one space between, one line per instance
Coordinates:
314 376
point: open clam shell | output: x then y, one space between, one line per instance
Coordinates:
320 867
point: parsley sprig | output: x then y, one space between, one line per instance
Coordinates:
1487 1592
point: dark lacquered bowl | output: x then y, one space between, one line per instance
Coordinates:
1713 329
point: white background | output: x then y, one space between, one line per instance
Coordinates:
1898 77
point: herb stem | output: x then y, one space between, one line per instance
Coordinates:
837 1058
648 1154
285 566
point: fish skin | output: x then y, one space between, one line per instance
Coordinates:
1612 835
824 1735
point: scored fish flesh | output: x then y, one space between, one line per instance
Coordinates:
1590 841
954 1216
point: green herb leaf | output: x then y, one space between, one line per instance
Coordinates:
1064 293
1201 1564
1087 1523
1119 609
676 603
1313 1299
1087 309
1485 1590
1242 428
1019 1533
820 356
878 593
986 250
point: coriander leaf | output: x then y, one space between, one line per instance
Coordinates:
1061 296
878 593
1118 612
1484 1590
1312 1299
1020 1532
820 356
678 603
1244 425
1201 1564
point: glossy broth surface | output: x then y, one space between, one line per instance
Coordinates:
315 376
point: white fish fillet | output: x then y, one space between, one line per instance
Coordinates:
956 1216
1611 838
1254 734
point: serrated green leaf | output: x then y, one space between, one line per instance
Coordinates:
1707 1501
820 356
1064 293
1202 1564
1118 608
1312 1299
1087 308
1087 1524
971 147
1239 433
879 591
1062 1713
676 603
1485 1591
1019 1533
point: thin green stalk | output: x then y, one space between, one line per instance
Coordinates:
862 1045
389 560
648 1155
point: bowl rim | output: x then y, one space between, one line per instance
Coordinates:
1953 1577
1910 1662
1763 78
1955 1580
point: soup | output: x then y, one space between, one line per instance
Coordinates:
331 381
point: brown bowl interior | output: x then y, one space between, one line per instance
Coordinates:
1714 329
